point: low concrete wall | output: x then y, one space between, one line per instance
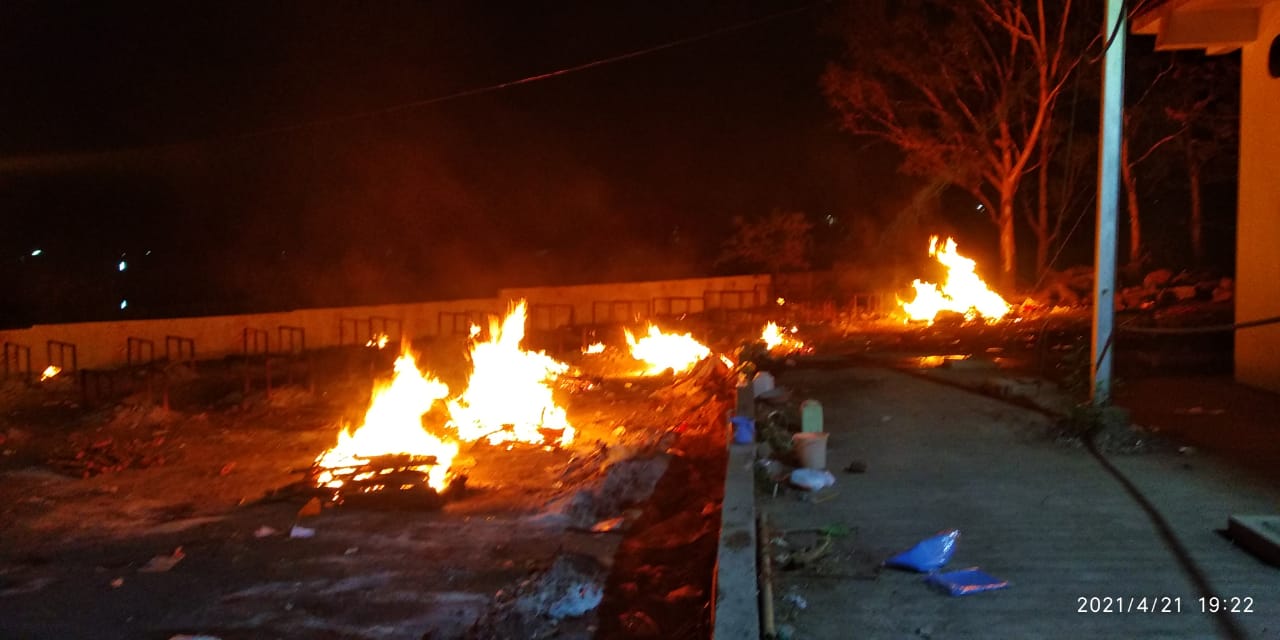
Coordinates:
104 344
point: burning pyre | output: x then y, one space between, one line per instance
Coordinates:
661 351
508 399
392 427
961 291
508 396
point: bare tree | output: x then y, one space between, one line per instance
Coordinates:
965 89
1206 109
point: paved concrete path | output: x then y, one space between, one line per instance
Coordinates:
1046 517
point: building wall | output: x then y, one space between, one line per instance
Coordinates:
104 344
1257 350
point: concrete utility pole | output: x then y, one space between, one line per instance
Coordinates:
1114 32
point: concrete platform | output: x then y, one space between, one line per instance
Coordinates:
1046 517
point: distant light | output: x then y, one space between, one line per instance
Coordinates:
831 220
124 303
37 252
122 266
781 301
979 207
147 253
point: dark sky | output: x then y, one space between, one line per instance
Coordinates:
135 127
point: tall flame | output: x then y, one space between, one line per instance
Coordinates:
393 425
962 291
662 351
50 372
509 396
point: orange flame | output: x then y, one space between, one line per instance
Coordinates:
50 371
393 425
380 341
962 291
597 347
662 351
509 396
775 339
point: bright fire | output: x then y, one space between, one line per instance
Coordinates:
50 372
380 341
508 396
393 425
962 291
775 338
662 351
597 347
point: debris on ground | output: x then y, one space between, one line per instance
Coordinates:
966 581
160 564
571 587
927 555
812 479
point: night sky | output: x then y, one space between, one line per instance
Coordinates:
207 146
157 127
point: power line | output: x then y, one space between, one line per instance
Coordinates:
76 159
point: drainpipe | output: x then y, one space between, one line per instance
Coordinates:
1104 282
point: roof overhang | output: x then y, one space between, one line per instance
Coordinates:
1212 26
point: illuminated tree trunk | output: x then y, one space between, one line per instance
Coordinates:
1197 207
1008 246
1131 192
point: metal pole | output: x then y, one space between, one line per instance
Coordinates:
1112 118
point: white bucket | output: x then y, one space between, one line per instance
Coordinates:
811 449
763 382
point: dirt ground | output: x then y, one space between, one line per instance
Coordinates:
184 523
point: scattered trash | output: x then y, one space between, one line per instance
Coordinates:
965 581
117 583
929 554
805 557
796 600
812 479
351 551
571 587
160 564
819 496
264 531
301 532
857 466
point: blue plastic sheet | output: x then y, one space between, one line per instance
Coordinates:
929 554
965 581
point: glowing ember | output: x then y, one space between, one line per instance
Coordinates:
594 348
393 425
49 372
474 331
380 341
508 396
962 291
775 339
662 351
